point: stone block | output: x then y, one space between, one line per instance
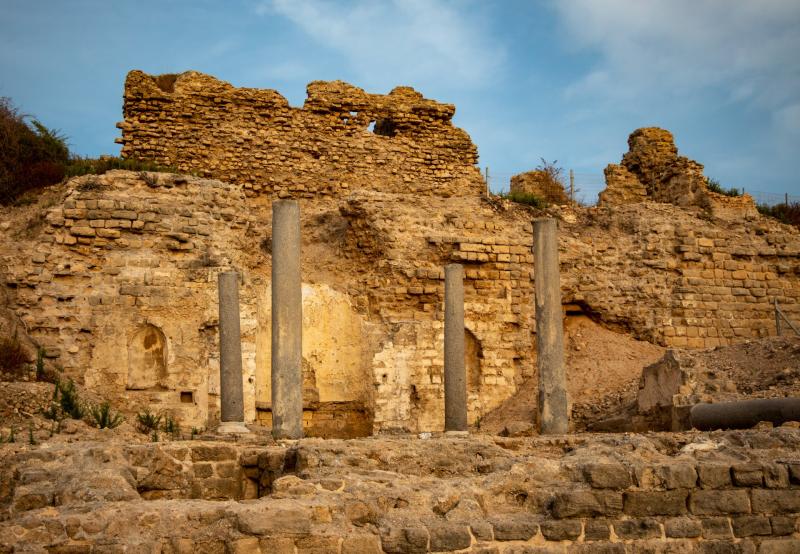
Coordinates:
361 544
655 503
446 537
265 519
716 528
779 546
597 548
776 501
482 530
586 503
596 530
276 545
783 525
645 528
561 530
318 544
747 475
514 527
682 527
748 526
213 453
776 476
404 540
247 545
714 476
711 502
607 476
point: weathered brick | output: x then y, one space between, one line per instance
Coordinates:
560 530
748 526
776 476
404 540
516 527
645 528
782 525
776 501
653 503
596 530
446 537
716 528
682 527
714 476
583 503
747 475
710 502
607 476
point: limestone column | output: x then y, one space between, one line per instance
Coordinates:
455 379
287 321
553 416
230 356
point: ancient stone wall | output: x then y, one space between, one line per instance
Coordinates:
541 184
342 139
726 492
121 291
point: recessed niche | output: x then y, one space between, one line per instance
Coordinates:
187 397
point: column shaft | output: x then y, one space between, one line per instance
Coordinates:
287 322
230 349
455 379
553 416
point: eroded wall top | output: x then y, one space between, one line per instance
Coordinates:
341 139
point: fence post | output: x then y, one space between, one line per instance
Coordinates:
571 186
777 319
486 178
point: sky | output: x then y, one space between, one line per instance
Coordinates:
564 81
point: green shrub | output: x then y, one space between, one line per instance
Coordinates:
31 156
13 359
714 186
524 198
148 421
69 400
97 166
171 426
104 418
785 213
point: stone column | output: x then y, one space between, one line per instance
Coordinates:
455 378
230 356
287 322
553 416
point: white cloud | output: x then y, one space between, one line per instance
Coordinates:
672 49
403 41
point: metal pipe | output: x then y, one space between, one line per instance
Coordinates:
743 414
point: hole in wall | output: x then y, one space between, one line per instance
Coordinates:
187 397
385 127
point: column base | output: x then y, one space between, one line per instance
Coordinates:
456 434
233 428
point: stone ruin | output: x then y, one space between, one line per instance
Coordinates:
115 276
652 169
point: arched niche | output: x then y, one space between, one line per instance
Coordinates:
147 358
473 354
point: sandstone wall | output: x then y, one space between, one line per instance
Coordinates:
704 493
342 139
127 256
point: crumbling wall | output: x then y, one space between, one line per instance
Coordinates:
541 184
342 139
652 169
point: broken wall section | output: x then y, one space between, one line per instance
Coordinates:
343 138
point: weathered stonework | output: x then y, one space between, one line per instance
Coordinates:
341 140
115 275
652 169
541 184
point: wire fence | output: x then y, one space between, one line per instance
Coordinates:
585 188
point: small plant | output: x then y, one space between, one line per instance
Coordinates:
40 371
154 436
785 213
87 166
52 412
13 359
148 421
171 426
70 403
11 435
525 198
31 438
714 186
104 418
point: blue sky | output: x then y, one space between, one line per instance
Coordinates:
562 80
